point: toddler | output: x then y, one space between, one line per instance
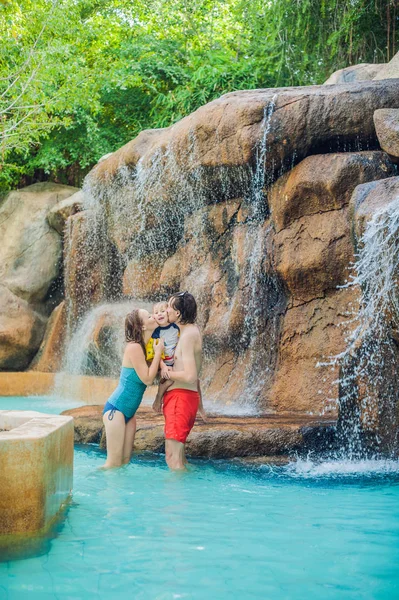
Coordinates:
170 333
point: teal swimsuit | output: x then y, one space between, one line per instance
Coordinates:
128 395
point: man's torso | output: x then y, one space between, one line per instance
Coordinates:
196 340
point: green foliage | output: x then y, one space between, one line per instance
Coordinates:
79 78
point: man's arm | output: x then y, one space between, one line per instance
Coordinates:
189 373
201 410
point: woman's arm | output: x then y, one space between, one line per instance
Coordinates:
136 356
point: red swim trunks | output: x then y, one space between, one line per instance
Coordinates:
179 409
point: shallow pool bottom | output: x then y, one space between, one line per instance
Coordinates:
218 531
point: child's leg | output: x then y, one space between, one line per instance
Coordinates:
164 384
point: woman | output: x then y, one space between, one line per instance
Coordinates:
119 411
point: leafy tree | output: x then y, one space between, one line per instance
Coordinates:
79 78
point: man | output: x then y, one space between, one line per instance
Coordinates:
182 399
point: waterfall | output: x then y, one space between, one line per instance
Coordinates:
132 211
369 393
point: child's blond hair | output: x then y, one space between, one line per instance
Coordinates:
158 305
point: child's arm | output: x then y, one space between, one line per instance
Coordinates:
201 410
164 369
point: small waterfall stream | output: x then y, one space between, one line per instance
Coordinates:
368 394
132 212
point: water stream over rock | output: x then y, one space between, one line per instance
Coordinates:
252 204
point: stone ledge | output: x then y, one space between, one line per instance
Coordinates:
221 436
36 466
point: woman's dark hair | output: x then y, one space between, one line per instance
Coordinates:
185 303
134 328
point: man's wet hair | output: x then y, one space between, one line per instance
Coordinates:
185 303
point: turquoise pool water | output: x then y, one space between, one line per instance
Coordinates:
46 404
221 531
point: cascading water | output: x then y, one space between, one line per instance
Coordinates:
369 395
264 300
133 212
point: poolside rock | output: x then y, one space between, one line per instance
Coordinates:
386 122
360 72
21 331
220 437
312 253
345 111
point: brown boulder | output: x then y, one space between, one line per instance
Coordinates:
227 129
313 255
370 198
323 183
211 154
31 250
390 70
51 351
58 215
21 331
141 278
361 72
312 335
386 122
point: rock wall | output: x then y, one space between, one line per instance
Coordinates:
30 269
245 203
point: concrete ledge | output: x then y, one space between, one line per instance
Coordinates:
36 466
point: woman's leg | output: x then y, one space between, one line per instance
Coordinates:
115 434
128 443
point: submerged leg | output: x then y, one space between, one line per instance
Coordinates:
128 444
114 423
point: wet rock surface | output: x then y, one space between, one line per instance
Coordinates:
246 204
50 354
206 205
387 128
221 436
370 198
